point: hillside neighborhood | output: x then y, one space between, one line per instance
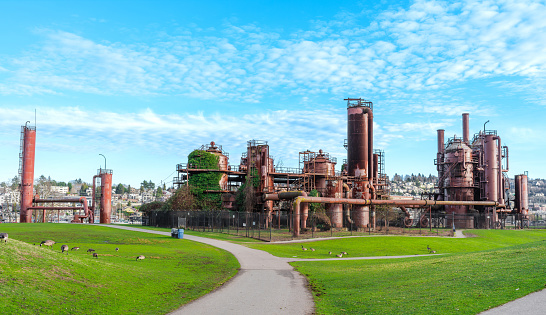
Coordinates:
126 200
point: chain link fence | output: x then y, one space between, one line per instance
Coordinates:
278 226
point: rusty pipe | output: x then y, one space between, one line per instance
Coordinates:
507 160
55 208
499 174
288 195
465 128
370 143
81 200
347 210
301 199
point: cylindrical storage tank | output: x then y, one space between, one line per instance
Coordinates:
321 166
357 141
459 185
27 178
222 163
524 193
335 211
491 165
360 157
106 196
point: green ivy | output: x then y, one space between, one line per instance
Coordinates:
205 181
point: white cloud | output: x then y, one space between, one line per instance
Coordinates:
427 46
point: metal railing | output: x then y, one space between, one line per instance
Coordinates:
278 226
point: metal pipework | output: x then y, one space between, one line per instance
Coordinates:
287 195
302 199
466 130
81 200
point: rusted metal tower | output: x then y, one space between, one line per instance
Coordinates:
360 155
26 170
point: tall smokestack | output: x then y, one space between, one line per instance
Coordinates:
440 141
27 172
465 128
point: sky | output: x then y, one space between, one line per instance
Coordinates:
146 82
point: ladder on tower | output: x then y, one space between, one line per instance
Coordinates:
21 154
446 173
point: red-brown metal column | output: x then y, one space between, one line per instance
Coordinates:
106 196
27 178
466 126
359 157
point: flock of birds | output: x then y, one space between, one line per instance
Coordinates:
64 248
340 255
329 253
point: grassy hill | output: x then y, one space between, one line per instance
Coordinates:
36 279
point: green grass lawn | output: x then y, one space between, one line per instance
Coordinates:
476 273
465 283
39 280
404 245
215 235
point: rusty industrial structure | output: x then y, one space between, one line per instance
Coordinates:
31 203
472 179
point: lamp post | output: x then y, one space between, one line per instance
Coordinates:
104 160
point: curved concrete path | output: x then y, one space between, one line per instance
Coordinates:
532 304
265 284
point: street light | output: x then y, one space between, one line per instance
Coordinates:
104 160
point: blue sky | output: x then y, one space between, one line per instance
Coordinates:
146 82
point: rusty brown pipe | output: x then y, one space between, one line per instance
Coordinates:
81 200
465 128
407 220
347 210
301 199
288 195
499 175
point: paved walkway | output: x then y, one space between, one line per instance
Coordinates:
265 284
532 304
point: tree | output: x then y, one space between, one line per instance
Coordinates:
83 189
120 189
69 187
15 181
159 192
43 186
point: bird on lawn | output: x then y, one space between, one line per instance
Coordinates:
140 257
4 236
329 253
433 252
75 248
428 248
344 253
47 243
64 248
303 248
117 249
95 255
312 249
339 255
90 250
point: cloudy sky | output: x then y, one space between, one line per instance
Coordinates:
146 82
